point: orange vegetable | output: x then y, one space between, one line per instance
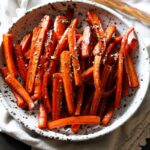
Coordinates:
19 89
88 74
67 80
32 68
74 56
20 62
42 117
73 120
25 42
8 47
57 95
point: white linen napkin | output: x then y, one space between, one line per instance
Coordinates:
129 136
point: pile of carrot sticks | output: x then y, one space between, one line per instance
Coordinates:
77 78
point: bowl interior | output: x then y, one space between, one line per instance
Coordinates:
107 16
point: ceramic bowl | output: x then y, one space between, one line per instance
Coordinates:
128 105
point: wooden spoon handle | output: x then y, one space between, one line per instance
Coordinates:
125 8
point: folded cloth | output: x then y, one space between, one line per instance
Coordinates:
129 136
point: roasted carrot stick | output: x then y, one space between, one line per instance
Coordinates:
60 25
88 74
108 93
109 32
25 42
96 24
80 94
74 56
131 72
42 117
50 44
86 39
32 68
20 102
108 116
102 108
132 45
8 46
38 80
60 47
57 95
20 62
120 68
19 89
73 120
67 80
99 48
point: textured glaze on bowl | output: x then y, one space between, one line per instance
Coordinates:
128 105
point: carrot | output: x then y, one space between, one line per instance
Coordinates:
60 25
132 45
57 95
60 47
42 117
20 62
73 120
80 95
19 89
74 56
108 93
38 80
99 48
108 116
120 68
32 68
20 102
27 54
88 74
109 32
86 42
50 44
8 47
25 42
97 84
131 72
67 80
102 108
96 25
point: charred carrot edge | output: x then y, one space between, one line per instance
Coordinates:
73 120
109 32
74 56
20 102
96 24
38 80
32 68
20 62
25 42
19 89
60 47
80 95
86 42
97 84
88 74
42 117
60 24
8 47
131 72
57 95
67 80
108 116
50 44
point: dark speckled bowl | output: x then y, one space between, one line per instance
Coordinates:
128 106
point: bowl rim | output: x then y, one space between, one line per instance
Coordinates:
63 137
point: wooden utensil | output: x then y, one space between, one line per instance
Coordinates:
127 9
